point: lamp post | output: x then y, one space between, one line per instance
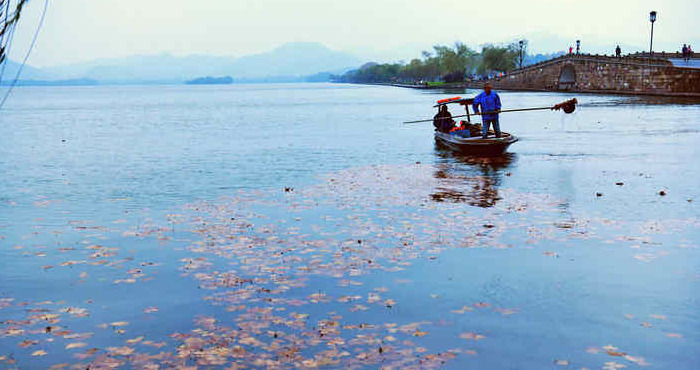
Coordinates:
652 19
578 47
522 44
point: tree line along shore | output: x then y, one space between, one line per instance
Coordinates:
447 64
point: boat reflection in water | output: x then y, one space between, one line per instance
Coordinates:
468 179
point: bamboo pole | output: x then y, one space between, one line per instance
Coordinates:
563 105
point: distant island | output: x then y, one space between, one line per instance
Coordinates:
227 80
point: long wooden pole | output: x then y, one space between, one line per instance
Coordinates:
568 107
483 113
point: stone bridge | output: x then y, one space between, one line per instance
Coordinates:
604 74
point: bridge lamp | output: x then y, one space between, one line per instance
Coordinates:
522 45
652 19
578 46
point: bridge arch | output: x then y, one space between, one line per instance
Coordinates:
567 77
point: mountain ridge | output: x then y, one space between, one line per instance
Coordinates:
288 60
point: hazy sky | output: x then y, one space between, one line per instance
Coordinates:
80 30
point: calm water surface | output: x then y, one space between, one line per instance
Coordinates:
144 226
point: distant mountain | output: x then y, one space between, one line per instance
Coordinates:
289 61
160 68
28 72
227 80
69 82
537 58
294 59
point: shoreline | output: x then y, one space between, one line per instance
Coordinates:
479 85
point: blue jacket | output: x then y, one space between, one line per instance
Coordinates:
488 103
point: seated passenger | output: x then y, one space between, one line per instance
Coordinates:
443 120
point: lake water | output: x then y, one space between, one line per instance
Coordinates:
282 225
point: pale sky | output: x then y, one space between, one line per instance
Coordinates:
82 30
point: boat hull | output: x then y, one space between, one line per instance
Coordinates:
476 146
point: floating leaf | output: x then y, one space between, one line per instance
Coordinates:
75 345
150 310
472 336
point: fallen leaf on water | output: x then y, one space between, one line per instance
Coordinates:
78 336
507 311
419 333
150 310
119 323
134 341
463 310
359 307
674 335
75 345
613 366
121 351
28 343
472 336
39 353
637 360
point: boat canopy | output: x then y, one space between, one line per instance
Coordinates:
456 100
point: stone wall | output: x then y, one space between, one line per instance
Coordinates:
601 74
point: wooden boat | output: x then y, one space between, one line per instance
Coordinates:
475 145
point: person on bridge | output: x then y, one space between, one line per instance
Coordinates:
690 53
685 52
490 104
618 51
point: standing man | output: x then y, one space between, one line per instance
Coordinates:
685 52
490 104
691 53
618 51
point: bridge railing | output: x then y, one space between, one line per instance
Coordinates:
635 59
664 55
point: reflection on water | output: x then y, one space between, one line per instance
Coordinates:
469 179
